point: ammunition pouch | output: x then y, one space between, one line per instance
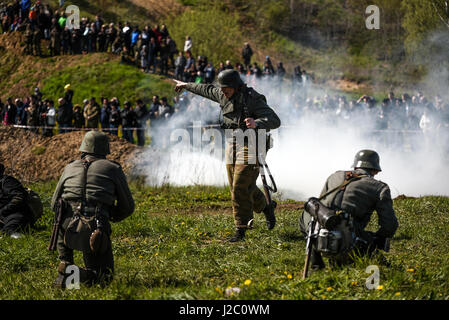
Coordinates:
78 232
88 231
334 234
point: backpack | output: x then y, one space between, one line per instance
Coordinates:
34 203
338 240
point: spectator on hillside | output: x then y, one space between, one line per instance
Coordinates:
78 118
165 110
256 70
228 65
141 119
180 64
114 118
20 112
188 44
172 49
92 114
104 115
209 73
165 54
199 77
64 116
189 67
33 117
129 119
164 31
154 108
144 59
68 96
9 112
152 54
280 71
247 53
50 118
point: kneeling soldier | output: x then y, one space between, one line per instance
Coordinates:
91 192
353 195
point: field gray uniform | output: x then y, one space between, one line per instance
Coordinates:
107 190
360 198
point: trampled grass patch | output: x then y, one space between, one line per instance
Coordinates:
173 247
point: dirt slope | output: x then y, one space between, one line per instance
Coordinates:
31 157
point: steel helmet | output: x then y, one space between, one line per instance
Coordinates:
367 159
95 142
229 79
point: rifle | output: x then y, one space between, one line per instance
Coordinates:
57 224
308 247
266 187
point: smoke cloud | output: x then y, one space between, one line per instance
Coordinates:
309 146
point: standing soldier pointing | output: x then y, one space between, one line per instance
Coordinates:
243 109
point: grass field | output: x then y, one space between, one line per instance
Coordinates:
173 247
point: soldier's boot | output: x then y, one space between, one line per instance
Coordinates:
88 276
269 214
59 283
316 261
239 235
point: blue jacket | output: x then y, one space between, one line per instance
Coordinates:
26 4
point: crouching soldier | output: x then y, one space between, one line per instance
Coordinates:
91 192
15 215
343 211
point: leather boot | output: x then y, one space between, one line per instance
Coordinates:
239 235
269 214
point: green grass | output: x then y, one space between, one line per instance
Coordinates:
173 247
107 79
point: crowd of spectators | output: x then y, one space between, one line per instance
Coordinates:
153 48
149 48
42 116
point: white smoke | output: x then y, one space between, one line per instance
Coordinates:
307 148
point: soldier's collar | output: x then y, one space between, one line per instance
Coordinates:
363 171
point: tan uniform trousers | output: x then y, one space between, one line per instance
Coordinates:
242 176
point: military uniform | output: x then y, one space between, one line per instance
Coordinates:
107 196
92 115
360 198
14 213
241 163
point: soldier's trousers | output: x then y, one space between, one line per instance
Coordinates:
102 265
14 222
246 196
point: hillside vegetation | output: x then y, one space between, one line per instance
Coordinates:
327 38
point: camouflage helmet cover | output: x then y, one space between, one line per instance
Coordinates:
229 79
95 142
367 159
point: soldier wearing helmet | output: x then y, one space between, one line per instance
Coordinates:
95 189
243 109
360 198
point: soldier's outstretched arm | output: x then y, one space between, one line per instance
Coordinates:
205 90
